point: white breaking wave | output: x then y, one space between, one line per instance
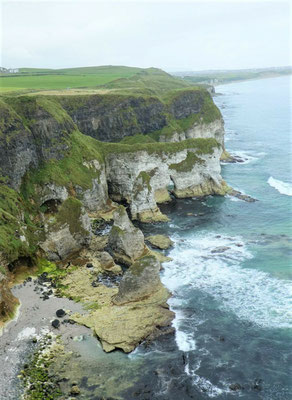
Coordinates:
185 341
213 264
203 384
282 187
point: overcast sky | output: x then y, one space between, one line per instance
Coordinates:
173 35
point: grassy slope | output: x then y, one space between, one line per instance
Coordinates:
37 79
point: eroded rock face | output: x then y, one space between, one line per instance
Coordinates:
139 281
126 242
142 179
67 232
126 326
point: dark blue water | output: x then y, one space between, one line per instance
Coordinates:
241 328
230 275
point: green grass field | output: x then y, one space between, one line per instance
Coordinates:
31 79
121 80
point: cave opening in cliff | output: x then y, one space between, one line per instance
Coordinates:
50 206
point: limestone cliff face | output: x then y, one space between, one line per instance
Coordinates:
45 160
139 178
214 129
94 199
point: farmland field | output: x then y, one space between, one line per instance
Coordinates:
36 79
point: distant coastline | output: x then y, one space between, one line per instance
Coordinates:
221 77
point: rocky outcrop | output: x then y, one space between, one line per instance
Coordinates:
199 129
139 281
161 242
126 242
138 177
137 312
66 232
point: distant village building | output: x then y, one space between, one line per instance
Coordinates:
9 70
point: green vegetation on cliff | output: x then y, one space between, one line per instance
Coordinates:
70 213
187 164
16 227
41 142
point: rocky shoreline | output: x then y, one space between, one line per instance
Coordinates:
69 199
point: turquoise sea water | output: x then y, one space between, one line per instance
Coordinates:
231 272
243 294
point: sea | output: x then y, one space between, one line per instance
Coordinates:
231 274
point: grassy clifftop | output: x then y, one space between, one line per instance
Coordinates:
105 78
52 138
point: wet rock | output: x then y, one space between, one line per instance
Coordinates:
257 385
56 323
161 242
235 386
60 313
241 196
220 249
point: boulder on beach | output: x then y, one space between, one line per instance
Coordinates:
56 323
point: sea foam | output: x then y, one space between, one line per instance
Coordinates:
251 294
282 187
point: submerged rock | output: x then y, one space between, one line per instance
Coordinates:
160 241
235 386
241 196
220 249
